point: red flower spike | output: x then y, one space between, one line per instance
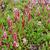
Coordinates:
0 43
10 30
9 22
3 28
26 10
29 17
16 14
23 22
15 36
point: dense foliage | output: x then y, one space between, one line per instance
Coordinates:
24 26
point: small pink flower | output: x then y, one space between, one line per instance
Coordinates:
34 2
48 8
49 21
47 1
15 44
43 1
2 48
7 45
39 1
15 36
9 22
16 14
0 43
49 14
5 34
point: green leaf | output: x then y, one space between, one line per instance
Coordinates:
11 46
4 40
49 26
5 48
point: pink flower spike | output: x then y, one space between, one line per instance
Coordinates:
15 44
5 34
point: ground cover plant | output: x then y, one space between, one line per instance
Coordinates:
24 25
